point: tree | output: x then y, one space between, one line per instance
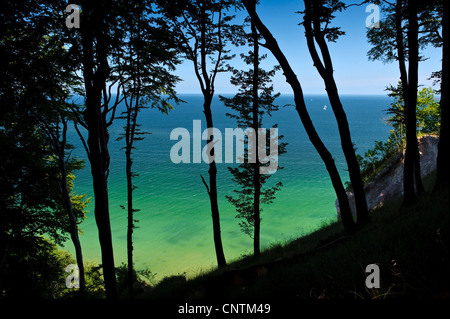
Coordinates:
58 142
36 74
254 100
291 78
427 110
94 56
412 157
53 117
316 14
428 116
443 170
204 30
143 60
408 27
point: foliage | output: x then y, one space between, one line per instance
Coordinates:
384 41
143 57
376 158
37 69
428 117
204 30
94 278
428 122
143 279
37 79
242 105
325 10
34 268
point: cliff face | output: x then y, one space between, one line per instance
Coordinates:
389 182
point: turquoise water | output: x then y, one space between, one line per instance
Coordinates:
175 227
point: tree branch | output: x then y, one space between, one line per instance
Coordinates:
219 57
204 183
82 141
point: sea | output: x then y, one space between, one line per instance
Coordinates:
174 234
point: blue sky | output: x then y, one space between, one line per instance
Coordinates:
354 73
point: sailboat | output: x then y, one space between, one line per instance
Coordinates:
324 107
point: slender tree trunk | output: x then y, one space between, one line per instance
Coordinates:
208 93
101 206
291 78
129 138
74 234
212 190
59 148
256 173
408 187
130 131
130 228
443 168
401 50
92 27
73 221
326 71
410 107
349 153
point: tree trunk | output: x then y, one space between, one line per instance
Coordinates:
401 50
443 168
256 173
130 228
92 27
212 190
300 106
408 186
326 72
410 107
101 206
349 153
208 93
73 222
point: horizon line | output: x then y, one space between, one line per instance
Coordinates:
305 94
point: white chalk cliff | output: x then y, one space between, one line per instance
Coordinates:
389 182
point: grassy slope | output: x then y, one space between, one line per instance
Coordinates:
410 245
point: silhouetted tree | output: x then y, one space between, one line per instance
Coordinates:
291 78
412 159
143 60
408 27
254 100
57 134
37 171
94 30
443 169
33 44
204 30
317 17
